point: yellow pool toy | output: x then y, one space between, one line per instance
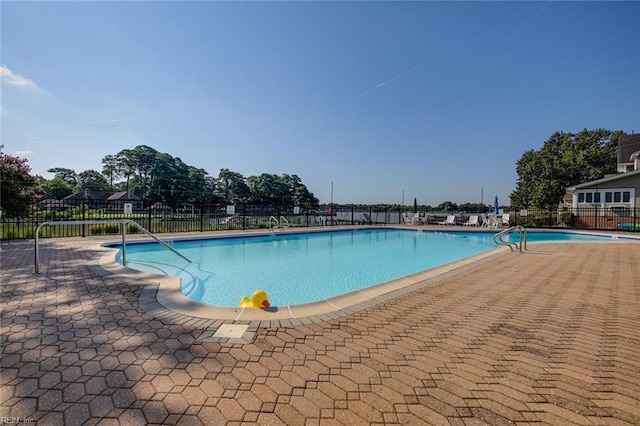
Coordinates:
258 299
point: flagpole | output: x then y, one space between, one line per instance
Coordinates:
331 194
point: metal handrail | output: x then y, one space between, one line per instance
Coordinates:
122 222
275 220
283 219
523 237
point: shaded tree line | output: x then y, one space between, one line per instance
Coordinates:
565 159
155 176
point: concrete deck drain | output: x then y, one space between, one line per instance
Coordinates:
229 333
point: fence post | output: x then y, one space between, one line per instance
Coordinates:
201 216
84 213
244 216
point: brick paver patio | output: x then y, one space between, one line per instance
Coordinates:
550 336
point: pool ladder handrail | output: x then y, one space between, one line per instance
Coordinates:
280 223
123 228
523 238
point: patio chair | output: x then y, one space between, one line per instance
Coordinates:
411 218
491 221
473 221
370 220
451 220
505 220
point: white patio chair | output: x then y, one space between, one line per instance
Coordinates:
491 222
473 221
411 218
451 220
506 220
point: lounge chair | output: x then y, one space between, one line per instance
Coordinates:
473 221
451 220
505 220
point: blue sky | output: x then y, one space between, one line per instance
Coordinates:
433 100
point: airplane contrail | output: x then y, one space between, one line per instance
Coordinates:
384 83
447 51
117 120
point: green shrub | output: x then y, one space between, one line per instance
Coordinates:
565 218
104 229
132 229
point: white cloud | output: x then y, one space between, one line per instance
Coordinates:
13 79
24 153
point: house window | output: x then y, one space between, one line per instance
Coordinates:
581 197
626 196
617 197
589 197
608 197
596 197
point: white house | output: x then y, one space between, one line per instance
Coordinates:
620 191
616 195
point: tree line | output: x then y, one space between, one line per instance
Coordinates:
154 176
565 159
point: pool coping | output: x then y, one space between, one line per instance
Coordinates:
163 294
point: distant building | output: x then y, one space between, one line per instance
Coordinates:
88 195
619 192
105 199
629 153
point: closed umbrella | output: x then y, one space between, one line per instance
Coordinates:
495 205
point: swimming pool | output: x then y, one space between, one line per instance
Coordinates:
303 267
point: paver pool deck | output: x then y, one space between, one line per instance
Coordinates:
548 336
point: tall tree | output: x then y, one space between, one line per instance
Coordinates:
266 189
91 180
201 185
281 191
565 159
231 187
56 188
110 169
17 185
169 181
298 193
68 175
137 166
447 206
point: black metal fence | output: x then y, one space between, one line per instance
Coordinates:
215 217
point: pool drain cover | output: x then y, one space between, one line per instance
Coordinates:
230 331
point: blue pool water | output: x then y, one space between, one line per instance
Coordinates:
305 267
